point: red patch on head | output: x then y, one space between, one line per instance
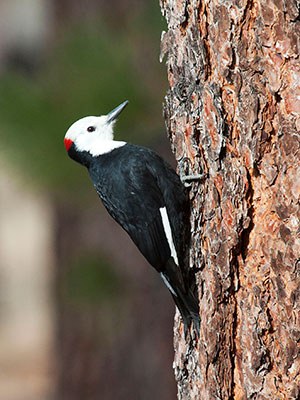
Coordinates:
68 143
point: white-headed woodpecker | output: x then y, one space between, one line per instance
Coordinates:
145 196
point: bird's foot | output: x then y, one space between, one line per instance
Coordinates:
187 180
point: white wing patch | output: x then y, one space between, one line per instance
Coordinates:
167 283
168 232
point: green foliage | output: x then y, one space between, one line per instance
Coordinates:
88 73
91 280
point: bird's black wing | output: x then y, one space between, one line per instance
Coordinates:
176 202
135 185
130 193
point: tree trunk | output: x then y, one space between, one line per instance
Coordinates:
232 113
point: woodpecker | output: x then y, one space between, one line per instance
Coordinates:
145 196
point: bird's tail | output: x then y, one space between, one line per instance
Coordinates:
184 298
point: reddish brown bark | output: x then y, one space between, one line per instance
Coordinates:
233 110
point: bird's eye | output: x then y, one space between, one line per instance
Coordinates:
91 129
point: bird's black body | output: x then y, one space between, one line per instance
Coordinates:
131 182
146 197
134 184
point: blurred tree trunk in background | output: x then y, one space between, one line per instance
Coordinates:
233 112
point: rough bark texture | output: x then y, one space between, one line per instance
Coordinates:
232 113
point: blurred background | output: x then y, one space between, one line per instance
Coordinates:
82 315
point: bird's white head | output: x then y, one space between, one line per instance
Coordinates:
94 134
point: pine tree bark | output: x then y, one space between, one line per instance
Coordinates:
233 115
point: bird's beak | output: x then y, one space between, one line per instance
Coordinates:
116 111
